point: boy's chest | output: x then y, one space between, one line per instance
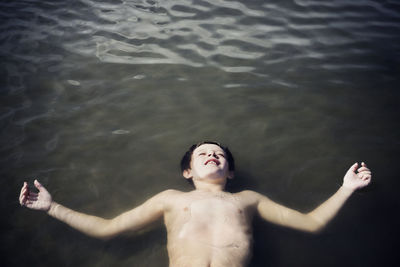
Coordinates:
218 221
217 211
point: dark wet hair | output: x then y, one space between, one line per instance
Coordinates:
187 157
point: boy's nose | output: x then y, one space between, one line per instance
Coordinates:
212 153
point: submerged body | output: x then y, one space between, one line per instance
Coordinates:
207 227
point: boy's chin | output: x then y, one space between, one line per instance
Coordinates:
216 179
215 174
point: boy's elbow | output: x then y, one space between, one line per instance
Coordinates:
104 232
104 237
314 226
315 229
99 235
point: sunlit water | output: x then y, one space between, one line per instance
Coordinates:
100 99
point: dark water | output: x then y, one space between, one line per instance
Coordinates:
99 100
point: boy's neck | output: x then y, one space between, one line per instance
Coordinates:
209 187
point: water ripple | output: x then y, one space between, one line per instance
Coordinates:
231 35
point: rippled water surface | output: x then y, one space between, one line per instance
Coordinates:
100 99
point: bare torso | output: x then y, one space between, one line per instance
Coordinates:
209 229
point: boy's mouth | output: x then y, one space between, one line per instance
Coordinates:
212 160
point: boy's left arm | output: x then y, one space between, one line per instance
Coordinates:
315 220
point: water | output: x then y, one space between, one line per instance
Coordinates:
100 99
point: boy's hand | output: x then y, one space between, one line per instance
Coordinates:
356 179
36 201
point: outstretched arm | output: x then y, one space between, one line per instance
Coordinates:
315 220
132 220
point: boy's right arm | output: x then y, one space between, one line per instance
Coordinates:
132 220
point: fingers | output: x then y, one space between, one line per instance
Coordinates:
27 197
364 170
366 181
25 185
31 198
22 200
363 164
23 194
364 176
353 168
38 185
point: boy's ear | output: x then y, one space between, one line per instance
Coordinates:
187 174
231 174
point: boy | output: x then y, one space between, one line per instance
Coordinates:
207 226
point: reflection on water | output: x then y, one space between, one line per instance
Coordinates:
99 99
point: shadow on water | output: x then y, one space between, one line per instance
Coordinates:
122 248
71 248
242 181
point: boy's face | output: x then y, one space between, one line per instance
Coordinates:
208 162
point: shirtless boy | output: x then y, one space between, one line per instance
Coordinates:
207 227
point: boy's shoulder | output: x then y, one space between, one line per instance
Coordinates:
247 193
170 193
249 196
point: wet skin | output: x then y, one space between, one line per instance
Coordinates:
209 229
208 226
